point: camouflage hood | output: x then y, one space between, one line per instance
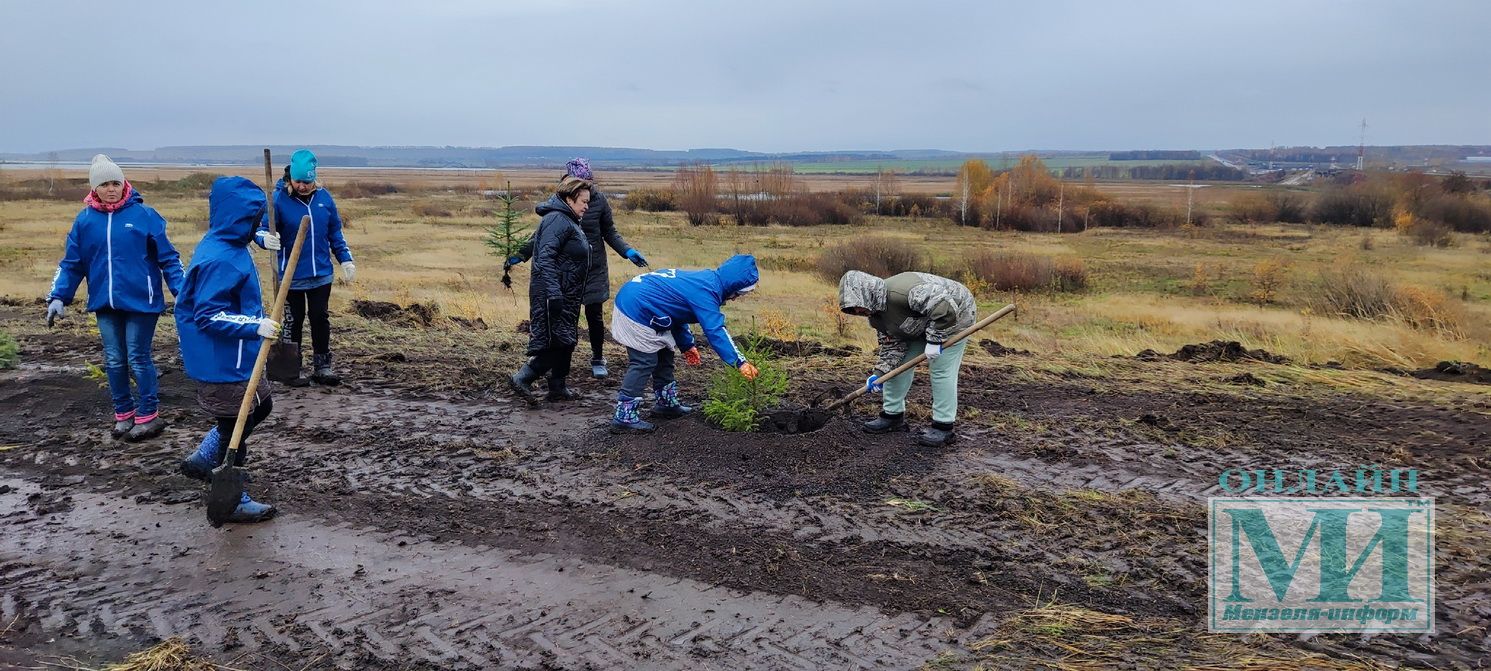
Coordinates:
861 290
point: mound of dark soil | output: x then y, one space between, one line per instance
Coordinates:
838 459
1455 371
995 349
801 348
384 311
1247 379
793 420
1216 350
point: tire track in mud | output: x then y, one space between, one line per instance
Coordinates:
361 598
456 459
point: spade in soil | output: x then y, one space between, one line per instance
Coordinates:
227 480
812 418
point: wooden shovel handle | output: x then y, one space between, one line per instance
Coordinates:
958 337
269 198
259 361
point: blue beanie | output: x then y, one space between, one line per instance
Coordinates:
303 166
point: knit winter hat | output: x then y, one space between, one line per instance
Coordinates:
579 168
303 166
103 170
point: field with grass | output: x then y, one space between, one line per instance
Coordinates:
430 521
950 166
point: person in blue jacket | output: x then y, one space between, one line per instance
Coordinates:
652 317
119 245
221 322
295 196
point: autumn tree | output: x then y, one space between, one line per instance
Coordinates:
885 185
974 178
695 185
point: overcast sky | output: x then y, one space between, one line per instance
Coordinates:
763 75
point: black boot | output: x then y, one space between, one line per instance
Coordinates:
559 391
321 372
521 383
937 435
300 380
887 423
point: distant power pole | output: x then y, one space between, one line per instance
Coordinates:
1361 149
1061 206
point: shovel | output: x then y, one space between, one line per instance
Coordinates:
284 353
227 479
813 419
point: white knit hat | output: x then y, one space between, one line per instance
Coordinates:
103 170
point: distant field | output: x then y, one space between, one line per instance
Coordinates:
952 165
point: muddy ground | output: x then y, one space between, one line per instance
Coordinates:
429 522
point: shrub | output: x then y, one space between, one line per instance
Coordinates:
1461 214
1136 215
879 256
1027 272
735 403
1356 205
365 189
650 200
10 351
429 208
1260 208
1423 232
1268 278
1357 292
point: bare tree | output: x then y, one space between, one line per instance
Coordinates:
695 185
886 186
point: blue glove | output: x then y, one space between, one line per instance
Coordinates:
512 261
636 258
872 386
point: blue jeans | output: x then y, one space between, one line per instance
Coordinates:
127 340
643 366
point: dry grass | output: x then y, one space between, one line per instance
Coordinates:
1141 284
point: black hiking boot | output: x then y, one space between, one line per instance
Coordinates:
521 383
122 426
937 435
887 423
559 391
321 371
145 430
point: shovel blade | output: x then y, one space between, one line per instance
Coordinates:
284 361
226 492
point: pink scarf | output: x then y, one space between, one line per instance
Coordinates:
92 200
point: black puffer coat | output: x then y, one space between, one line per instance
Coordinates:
561 263
600 229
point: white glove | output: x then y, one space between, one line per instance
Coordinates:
934 350
54 310
270 240
268 328
349 271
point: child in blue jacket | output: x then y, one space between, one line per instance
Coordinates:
652 317
220 318
295 196
119 245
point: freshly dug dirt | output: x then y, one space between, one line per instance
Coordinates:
801 348
1216 350
417 313
1455 371
1248 379
995 349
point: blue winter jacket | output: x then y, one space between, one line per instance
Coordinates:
123 255
671 299
218 311
324 240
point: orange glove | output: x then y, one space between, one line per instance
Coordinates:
691 357
750 372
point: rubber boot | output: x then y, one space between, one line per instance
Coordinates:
598 369
937 435
250 511
627 419
559 391
300 379
887 423
321 371
122 425
149 428
665 404
521 383
209 453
